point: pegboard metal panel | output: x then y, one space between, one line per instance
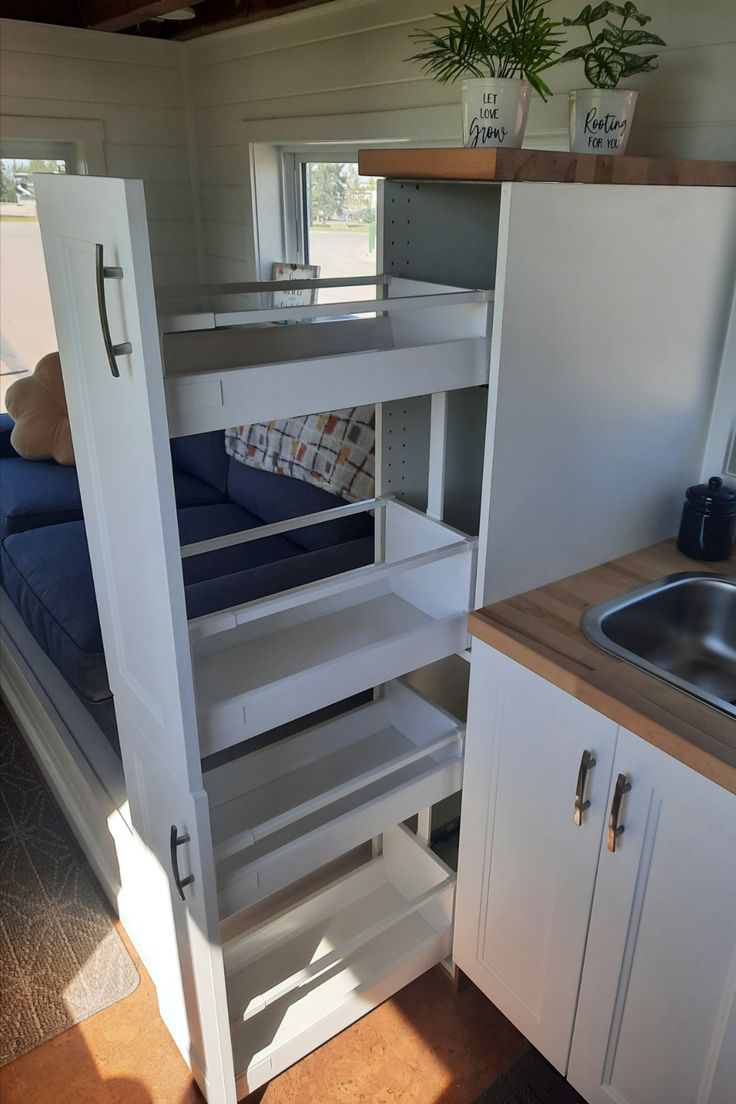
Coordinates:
404 450
440 231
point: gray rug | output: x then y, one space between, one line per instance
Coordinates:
531 1080
61 959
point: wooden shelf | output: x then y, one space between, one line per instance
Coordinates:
315 968
283 811
542 165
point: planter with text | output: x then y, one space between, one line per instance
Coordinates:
499 50
601 116
600 119
494 111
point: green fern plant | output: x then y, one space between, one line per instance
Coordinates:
608 55
496 39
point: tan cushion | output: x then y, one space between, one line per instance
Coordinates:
37 405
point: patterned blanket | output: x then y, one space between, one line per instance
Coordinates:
335 450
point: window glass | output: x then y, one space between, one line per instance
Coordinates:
26 322
339 224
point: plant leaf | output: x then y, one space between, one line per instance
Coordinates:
578 52
638 63
641 38
600 11
581 20
604 67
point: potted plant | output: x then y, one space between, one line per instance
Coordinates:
600 116
499 50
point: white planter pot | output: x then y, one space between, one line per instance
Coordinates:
494 111
600 119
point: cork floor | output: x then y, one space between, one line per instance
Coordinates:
426 1045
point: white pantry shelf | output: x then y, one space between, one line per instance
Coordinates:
316 967
283 811
270 661
240 367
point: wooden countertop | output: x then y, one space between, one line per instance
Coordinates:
541 630
457 163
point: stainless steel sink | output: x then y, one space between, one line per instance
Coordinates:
681 629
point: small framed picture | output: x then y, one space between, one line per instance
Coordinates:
299 296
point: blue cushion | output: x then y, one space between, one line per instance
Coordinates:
35 493
204 522
41 492
204 456
276 497
6 428
191 491
256 582
48 578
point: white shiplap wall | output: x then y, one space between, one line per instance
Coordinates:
136 89
349 56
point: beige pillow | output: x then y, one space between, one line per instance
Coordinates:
37 405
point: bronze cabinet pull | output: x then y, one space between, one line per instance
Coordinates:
108 272
587 760
614 828
175 840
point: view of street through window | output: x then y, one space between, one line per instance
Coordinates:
341 217
26 323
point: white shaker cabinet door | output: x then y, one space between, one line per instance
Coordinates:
527 869
656 1020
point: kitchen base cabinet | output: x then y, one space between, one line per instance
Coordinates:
611 946
656 1021
527 868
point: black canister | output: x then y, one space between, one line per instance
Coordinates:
708 526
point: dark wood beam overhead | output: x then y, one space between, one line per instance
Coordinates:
43 11
118 15
139 16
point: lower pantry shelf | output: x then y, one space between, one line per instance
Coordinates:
296 980
285 810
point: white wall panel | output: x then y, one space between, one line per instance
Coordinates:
349 57
135 88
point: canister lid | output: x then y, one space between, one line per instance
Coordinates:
712 497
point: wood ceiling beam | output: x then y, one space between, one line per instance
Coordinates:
118 15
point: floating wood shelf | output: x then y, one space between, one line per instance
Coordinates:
542 165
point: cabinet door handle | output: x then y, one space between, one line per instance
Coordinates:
108 272
175 840
614 828
587 761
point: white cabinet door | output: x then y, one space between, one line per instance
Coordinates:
656 1019
95 239
527 871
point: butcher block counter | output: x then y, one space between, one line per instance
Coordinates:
541 630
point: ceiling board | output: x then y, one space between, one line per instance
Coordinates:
139 17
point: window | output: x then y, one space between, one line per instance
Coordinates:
26 323
338 224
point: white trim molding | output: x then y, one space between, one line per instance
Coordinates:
86 135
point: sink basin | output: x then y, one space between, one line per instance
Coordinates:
681 629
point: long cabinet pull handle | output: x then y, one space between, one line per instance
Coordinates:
175 840
614 828
108 272
587 760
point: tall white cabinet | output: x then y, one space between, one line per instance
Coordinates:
254 966
476 387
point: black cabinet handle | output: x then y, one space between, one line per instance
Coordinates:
108 272
175 840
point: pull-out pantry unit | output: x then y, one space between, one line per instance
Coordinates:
279 754
272 750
